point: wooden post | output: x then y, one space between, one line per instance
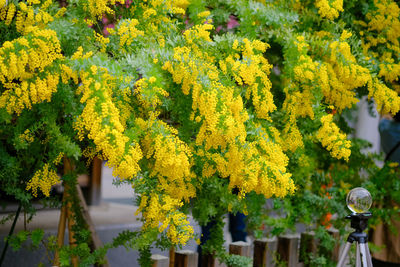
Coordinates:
209 260
72 240
95 182
159 260
240 248
70 216
335 252
308 245
264 250
172 257
288 249
186 258
63 218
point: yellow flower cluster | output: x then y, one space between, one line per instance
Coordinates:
337 77
127 32
385 20
7 13
381 42
258 166
382 39
3 3
329 8
390 71
198 32
45 178
169 159
148 93
103 41
80 55
27 15
98 8
291 137
386 99
100 120
22 60
345 75
331 138
27 136
299 95
253 71
162 212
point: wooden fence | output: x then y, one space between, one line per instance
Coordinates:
291 249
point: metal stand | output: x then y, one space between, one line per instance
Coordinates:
363 257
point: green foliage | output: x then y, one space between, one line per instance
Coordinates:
238 261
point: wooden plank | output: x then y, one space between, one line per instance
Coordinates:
159 260
308 245
186 258
288 249
264 250
240 248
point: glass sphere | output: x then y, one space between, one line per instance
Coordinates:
359 200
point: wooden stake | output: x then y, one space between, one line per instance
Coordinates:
95 182
70 216
308 245
335 234
171 257
240 248
72 240
186 258
60 233
160 260
288 249
264 250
